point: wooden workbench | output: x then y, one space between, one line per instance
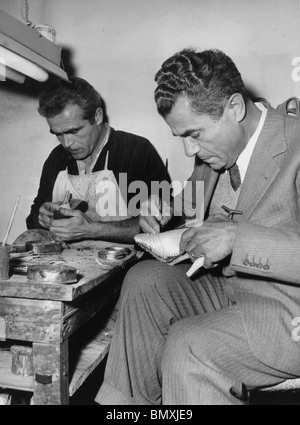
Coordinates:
45 315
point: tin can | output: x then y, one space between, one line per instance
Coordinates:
4 262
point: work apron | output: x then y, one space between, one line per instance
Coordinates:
99 189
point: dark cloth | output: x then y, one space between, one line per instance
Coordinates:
128 153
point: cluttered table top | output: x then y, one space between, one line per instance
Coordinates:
91 269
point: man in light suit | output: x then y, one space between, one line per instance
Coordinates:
211 338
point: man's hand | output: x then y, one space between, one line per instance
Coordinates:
153 215
77 227
213 239
46 213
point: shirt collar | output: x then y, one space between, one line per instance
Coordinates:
244 158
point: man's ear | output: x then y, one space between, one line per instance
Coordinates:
237 106
99 116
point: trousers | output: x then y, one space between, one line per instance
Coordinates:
180 341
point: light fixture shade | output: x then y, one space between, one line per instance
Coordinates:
27 52
22 65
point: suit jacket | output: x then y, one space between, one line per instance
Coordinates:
265 262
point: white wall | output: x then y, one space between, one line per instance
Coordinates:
118 46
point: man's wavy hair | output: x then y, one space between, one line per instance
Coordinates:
60 94
207 79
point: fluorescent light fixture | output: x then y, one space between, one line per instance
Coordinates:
22 65
7 73
25 52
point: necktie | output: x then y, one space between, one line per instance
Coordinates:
235 178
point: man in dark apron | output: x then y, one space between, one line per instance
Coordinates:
93 166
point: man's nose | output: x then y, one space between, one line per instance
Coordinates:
67 140
191 147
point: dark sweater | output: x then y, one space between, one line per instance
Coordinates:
128 153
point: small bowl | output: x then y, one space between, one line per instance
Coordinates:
114 253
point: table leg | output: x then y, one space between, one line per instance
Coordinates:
51 373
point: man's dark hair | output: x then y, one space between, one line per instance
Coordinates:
59 94
207 79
